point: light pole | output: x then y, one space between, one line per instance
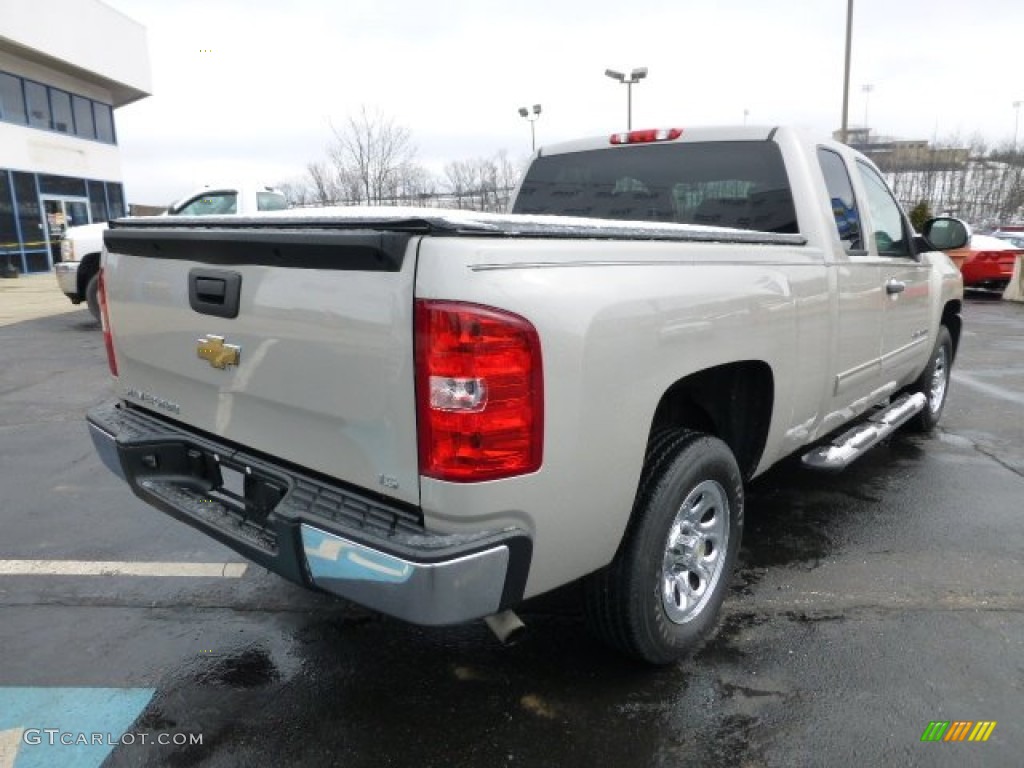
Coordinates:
844 126
635 76
531 119
867 88
1016 122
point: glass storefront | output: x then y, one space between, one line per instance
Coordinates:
35 209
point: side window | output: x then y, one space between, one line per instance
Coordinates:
271 201
216 203
840 192
890 231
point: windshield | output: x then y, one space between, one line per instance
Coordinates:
725 184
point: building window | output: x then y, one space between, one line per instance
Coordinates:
104 122
10 245
85 126
115 198
26 101
38 105
65 186
28 211
97 201
60 103
12 100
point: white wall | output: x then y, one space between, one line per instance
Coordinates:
32 150
83 34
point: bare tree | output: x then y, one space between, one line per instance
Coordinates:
373 149
297 192
324 184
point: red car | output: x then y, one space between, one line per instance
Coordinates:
987 262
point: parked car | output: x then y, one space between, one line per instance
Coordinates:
987 261
1014 237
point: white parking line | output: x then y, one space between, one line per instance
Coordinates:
9 743
989 389
113 568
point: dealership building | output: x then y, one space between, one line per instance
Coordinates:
65 67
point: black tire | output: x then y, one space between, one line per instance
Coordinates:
92 296
934 383
633 604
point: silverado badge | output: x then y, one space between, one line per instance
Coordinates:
218 354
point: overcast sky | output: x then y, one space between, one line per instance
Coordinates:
246 89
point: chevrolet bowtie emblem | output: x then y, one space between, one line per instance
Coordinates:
213 350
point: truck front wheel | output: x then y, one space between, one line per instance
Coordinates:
92 296
934 383
660 596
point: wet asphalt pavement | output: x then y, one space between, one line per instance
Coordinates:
866 605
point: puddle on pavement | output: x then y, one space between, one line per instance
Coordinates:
249 668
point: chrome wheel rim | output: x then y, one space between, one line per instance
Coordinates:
940 380
695 552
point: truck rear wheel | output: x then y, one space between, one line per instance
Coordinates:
934 383
660 596
92 296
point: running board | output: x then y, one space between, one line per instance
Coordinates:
853 444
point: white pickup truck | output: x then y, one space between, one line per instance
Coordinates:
439 414
81 247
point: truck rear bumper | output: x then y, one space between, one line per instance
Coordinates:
310 530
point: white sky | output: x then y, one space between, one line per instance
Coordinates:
454 72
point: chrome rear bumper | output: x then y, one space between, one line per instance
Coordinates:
314 532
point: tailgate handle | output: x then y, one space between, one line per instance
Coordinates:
214 292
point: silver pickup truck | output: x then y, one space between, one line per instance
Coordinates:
438 414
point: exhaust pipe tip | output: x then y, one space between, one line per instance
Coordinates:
506 626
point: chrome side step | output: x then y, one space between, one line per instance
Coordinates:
853 444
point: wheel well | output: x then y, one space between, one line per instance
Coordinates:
88 267
951 319
733 402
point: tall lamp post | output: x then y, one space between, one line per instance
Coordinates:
635 77
867 88
844 127
531 118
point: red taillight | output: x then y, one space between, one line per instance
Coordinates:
645 137
480 392
108 338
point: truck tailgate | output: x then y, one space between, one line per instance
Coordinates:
296 343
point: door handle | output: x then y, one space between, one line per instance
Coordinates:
894 286
214 292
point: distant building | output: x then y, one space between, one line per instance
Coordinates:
891 154
65 66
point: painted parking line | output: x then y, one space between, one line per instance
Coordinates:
72 727
991 390
115 568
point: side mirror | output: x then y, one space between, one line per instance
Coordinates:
945 233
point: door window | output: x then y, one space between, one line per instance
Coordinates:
889 231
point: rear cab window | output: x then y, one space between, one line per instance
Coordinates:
271 201
842 199
736 184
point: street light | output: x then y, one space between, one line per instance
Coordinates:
635 76
844 125
531 119
867 88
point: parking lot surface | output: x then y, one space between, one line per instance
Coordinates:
867 605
